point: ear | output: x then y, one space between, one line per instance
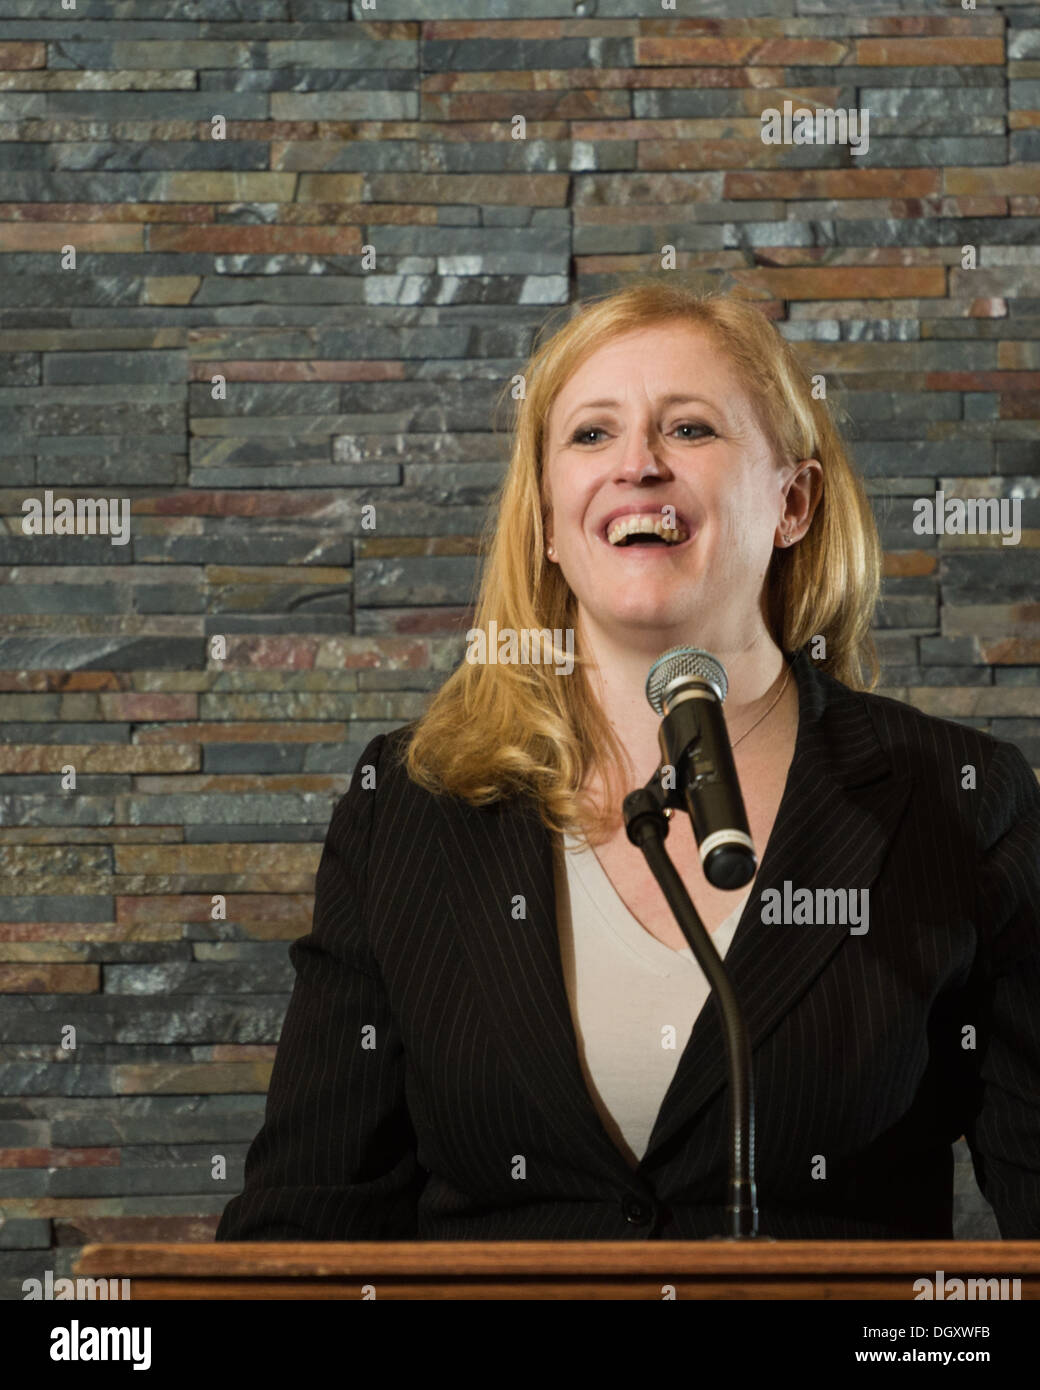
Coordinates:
802 492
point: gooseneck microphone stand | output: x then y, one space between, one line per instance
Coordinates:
647 827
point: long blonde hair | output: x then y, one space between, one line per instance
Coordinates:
496 730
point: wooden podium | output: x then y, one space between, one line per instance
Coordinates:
587 1269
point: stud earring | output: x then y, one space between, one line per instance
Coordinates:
551 552
787 540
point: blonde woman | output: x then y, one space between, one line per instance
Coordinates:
497 1029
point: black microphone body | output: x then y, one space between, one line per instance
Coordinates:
689 686
695 741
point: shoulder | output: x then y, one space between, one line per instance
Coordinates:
912 737
378 764
988 780
389 752
382 758
379 780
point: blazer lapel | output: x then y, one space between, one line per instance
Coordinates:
839 810
493 856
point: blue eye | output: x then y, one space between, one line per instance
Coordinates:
579 435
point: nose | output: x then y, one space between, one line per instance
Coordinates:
642 455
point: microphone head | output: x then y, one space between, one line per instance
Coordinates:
678 663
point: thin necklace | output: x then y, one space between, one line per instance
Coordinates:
768 711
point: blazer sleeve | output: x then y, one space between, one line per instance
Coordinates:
1004 1134
336 1156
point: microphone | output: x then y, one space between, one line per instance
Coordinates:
687 687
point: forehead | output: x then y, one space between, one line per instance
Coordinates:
652 361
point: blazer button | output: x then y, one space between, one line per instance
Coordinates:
636 1211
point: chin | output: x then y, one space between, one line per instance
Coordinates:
644 614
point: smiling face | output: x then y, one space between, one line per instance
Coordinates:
654 432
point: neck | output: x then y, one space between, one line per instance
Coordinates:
618 670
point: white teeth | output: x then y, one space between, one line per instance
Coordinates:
646 523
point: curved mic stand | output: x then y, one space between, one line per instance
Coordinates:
647 827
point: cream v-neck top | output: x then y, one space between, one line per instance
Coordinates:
633 999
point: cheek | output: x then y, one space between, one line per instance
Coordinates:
573 501
558 487
746 521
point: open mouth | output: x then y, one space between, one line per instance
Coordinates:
645 531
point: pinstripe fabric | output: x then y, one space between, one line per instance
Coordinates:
469 1119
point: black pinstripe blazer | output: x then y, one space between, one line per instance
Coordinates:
427 1081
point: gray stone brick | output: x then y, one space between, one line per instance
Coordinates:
208 833
88 807
970 75
900 676
1024 95
923 153
913 106
63 598
166 154
154 106
981 405
275 759
99 653
25 1134
57 907
352 51
240 543
438 579
270 623
339 106
1010 574
24 156
469 9
126 1181
1023 42
394 621
648 240
124 368
291 476
23 106
127 1019
259 453
907 604
243 808
896 649
304 79
950 459
950 651
865 406
25 1233
1024 147
155 1119
1028 676
107 470
936 231
493 54
192 978
455 485
306 398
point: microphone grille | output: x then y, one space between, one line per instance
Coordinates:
683 661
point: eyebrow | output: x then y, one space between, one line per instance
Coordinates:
674 398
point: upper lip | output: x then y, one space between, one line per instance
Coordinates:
643 510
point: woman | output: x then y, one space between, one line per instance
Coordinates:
497 1030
